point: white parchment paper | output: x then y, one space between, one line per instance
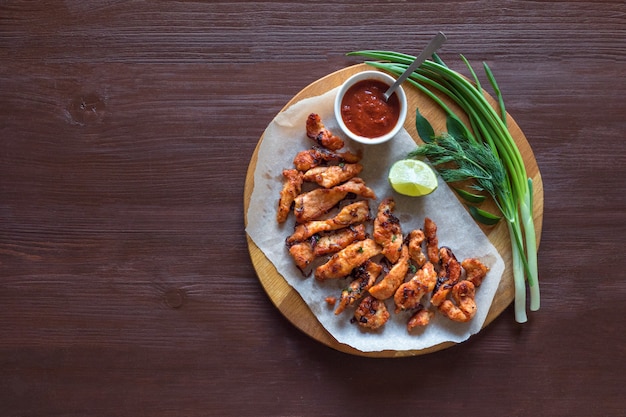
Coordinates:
286 136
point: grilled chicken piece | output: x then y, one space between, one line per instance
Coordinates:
310 206
344 261
330 300
394 278
316 130
449 275
420 318
475 271
371 313
335 241
291 189
409 295
330 176
432 242
387 230
365 276
463 294
416 238
358 212
304 253
317 156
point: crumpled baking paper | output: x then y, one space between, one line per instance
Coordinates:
286 136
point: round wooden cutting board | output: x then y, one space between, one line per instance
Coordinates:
289 302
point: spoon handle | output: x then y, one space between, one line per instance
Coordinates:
430 49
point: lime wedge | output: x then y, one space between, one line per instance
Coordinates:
412 177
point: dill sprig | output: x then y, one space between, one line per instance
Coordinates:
470 161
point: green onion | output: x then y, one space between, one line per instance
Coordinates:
486 126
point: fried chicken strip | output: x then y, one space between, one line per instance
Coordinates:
463 294
303 253
313 204
394 278
449 275
371 313
317 156
432 242
387 230
365 277
291 189
420 318
335 241
416 238
358 212
409 295
330 176
475 271
316 130
344 261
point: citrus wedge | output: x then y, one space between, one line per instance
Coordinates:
412 177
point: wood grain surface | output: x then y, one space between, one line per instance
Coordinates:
126 285
287 299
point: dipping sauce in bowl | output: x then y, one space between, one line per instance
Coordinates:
362 111
365 111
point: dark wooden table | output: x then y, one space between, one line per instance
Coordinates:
126 129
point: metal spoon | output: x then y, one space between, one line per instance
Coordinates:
430 49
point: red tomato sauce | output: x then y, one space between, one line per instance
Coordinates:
365 111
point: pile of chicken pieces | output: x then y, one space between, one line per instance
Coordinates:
331 221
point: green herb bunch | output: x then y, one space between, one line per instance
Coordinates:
471 161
